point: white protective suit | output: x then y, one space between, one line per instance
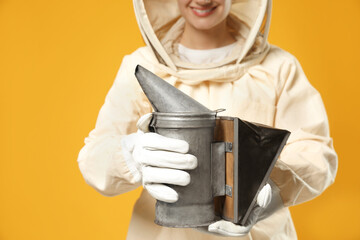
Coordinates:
258 82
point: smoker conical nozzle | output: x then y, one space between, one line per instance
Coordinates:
165 97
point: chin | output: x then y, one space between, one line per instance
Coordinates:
205 25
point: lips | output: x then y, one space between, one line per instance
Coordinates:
203 12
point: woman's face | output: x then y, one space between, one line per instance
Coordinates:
204 15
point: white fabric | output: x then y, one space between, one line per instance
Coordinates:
157 159
128 145
230 229
154 16
164 175
144 122
152 149
205 55
264 196
162 192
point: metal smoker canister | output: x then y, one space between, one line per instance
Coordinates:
195 206
253 147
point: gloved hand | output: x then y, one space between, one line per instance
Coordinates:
158 159
259 212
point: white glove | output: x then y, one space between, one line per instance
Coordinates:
230 229
157 159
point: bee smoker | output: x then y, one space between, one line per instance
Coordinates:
235 157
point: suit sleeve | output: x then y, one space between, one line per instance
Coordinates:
308 162
101 160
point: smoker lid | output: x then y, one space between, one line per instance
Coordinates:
165 97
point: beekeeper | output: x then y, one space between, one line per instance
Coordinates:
216 51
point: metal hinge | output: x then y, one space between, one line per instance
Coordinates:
228 147
228 190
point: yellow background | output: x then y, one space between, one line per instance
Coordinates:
58 59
